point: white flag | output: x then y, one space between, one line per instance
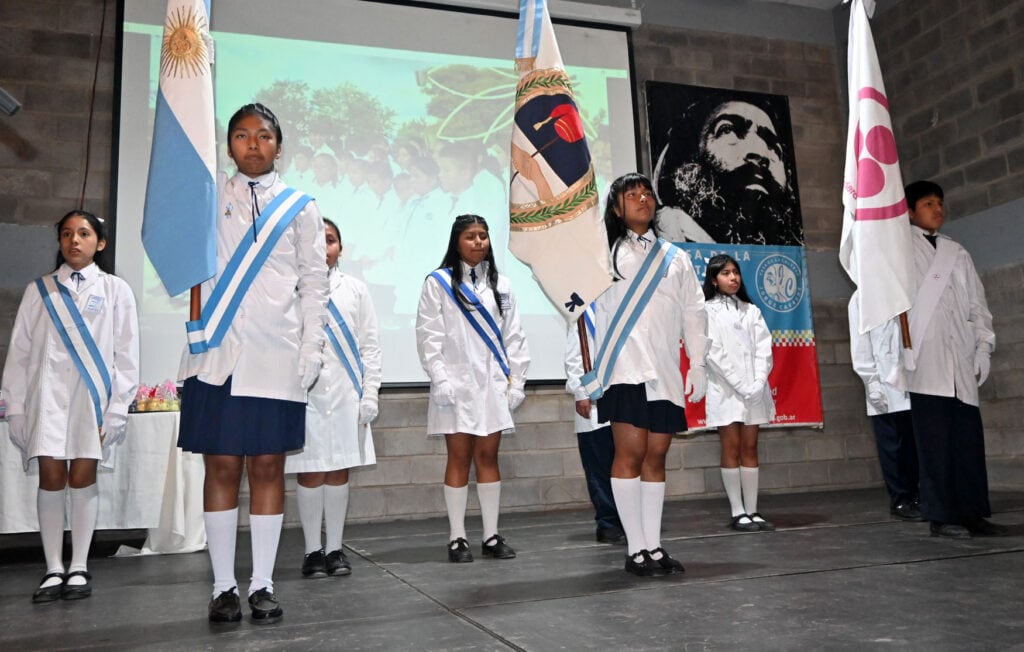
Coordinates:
875 249
556 225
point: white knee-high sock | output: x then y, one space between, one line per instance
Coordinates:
652 500
630 507
731 481
489 495
50 507
455 502
335 513
748 478
85 506
221 533
266 534
311 514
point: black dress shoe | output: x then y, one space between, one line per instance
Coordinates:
265 607
458 551
49 593
314 565
337 563
76 591
979 527
611 534
642 565
667 564
949 530
497 548
226 607
743 523
761 523
906 510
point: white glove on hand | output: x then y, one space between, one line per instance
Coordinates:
515 398
113 429
755 390
443 393
18 431
309 368
876 396
696 384
982 364
367 410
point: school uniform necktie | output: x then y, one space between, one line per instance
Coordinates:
644 241
77 278
255 206
931 240
472 276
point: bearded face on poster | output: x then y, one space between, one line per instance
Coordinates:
724 166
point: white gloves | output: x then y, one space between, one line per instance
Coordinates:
755 390
17 429
442 393
982 365
876 396
696 384
113 429
515 398
367 410
309 368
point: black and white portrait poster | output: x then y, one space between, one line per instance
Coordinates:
724 169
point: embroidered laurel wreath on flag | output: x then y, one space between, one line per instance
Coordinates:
556 226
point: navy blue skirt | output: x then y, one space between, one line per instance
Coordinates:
214 422
629 404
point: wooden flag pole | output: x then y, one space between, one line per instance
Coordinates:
905 331
194 297
581 329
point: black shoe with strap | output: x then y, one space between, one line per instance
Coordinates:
226 607
762 524
667 564
49 593
458 551
265 607
497 548
642 565
337 563
76 591
743 523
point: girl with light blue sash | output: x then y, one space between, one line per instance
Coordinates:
72 370
473 349
654 301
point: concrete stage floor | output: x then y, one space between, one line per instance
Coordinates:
838 574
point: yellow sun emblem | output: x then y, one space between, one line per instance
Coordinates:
184 52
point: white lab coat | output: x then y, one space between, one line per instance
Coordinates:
334 437
961 325
573 373
41 381
876 359
676 310
451 350
739 354
284 308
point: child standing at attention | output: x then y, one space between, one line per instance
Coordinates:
342 404
739 399
639 320
72 370
473 349
244 396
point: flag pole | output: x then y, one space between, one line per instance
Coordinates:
581 330
905 331
194 299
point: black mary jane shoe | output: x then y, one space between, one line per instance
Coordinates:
76 591
642 565
46 594
737 524
667 564
458 551
761 523
497 548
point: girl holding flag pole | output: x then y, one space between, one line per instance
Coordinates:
72 370
473 349
636 382
342 404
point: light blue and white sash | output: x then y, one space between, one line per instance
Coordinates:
345 345
209 330
588 319
78 341
640 291
490 334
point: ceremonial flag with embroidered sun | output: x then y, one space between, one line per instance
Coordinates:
875 249
556 225
179 219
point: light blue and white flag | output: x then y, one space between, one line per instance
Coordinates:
179 220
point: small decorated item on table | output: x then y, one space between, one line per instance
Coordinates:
166 397
142 397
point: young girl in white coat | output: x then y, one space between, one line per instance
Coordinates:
68 391
739 399
341 405
473 349
643 390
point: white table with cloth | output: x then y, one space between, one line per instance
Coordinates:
152 485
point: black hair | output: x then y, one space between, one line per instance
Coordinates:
452 259
918 190
96 224
715 265
614 223
261 111
329 222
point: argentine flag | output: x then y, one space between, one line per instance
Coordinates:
179 220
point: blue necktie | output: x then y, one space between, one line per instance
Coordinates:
77 278
255 206
472 276
643 240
